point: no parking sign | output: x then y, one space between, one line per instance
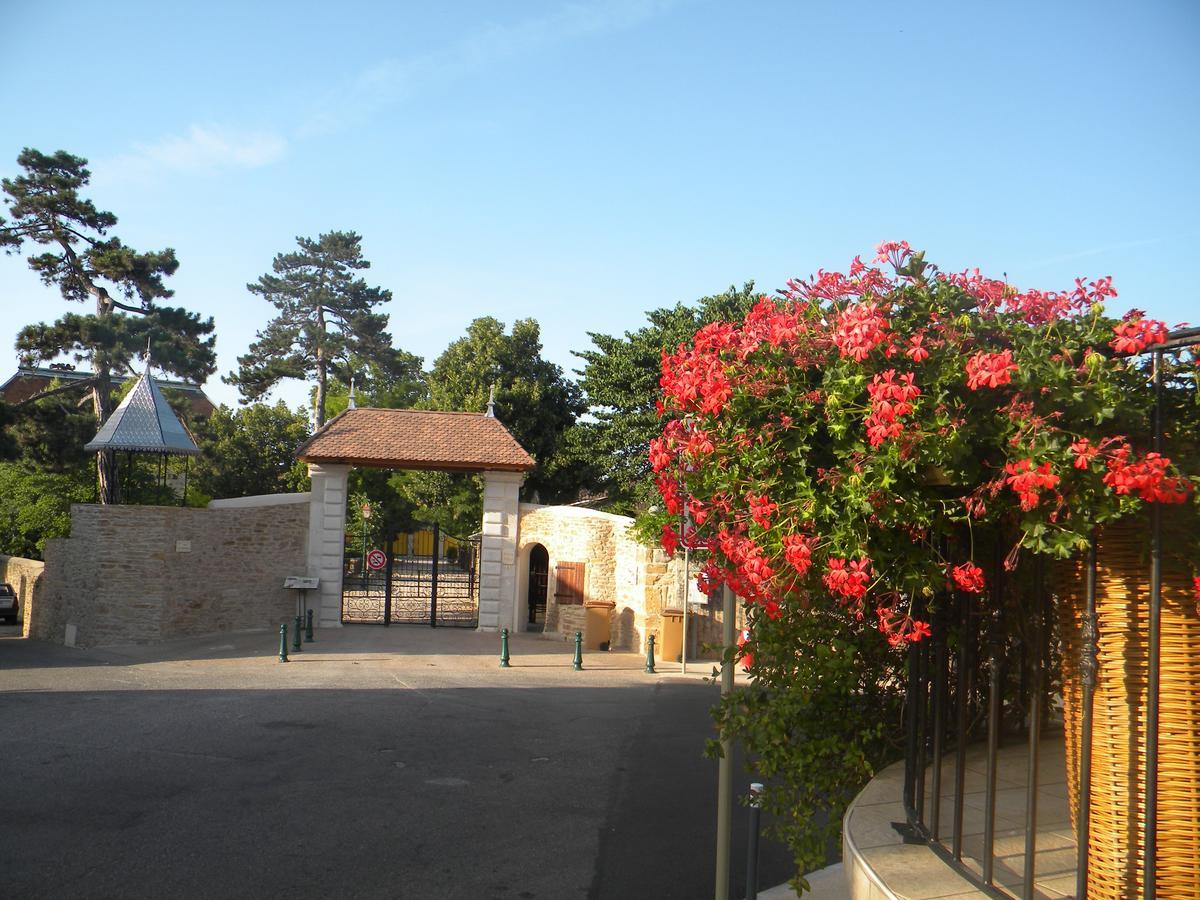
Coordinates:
376 559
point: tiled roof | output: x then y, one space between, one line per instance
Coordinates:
416 439
29 381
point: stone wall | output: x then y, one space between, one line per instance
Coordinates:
25 575
639 581
137 574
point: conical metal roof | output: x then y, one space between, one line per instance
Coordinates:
144 423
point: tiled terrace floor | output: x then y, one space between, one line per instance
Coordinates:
879 864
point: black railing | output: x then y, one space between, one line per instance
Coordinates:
977 640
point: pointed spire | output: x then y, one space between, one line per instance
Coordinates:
353 405
491 410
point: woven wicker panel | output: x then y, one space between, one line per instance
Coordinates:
1119 716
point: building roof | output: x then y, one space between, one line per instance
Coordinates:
29 381
417 439
144 423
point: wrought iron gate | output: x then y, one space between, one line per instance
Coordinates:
422 582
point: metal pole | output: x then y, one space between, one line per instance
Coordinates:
299 636
577 661
308 627
1087 673
1152 681
752 842
941 662
650 655
504 648
993 744
725 766
387 578
683 652
283 657
437 536
1035 729
960 748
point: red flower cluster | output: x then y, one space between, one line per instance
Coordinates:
1196 587
1084 453
861 328
1146 477
1029 481
900 628
990 369
797 551
889 402
895 252
968 577
1135 335
761 509
849 579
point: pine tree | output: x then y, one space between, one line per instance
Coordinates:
86 264
326 324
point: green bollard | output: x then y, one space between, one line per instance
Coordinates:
283 642
308 635
504 648
577 662
296 648
650 655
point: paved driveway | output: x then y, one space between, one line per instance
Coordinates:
395 762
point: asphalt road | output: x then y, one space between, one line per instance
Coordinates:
376 767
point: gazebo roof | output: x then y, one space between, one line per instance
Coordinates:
417 439
144 423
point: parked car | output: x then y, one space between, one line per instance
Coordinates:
10 607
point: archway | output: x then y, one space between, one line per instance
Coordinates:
539 574
422 440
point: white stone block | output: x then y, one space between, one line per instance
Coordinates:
491 567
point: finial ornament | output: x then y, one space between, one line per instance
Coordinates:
491 410
353 405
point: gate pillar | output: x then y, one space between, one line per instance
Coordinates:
498 550
327 537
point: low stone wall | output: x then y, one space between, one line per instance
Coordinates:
25 575
138 574
639 581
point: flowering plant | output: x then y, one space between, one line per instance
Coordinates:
826 448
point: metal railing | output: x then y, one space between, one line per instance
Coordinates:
966 645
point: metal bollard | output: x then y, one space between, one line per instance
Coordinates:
650 655
752 842
296 648
308 634
504 648
577 662
283 642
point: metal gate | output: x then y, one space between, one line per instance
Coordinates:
428 578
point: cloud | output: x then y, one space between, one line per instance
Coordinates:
203 150
1097 251
392 80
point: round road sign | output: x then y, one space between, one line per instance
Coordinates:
376 559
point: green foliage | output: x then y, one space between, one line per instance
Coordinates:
397 383
83 262
250 451
620 382
326 324
536 403
822 715
35 505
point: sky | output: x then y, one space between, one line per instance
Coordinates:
582 163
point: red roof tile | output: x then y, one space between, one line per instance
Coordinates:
416 439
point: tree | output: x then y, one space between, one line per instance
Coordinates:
620 382
47 211
35 505
250 451
326 324
395 380
536 403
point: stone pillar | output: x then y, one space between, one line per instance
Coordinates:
327 539
498 552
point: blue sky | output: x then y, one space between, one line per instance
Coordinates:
581 163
